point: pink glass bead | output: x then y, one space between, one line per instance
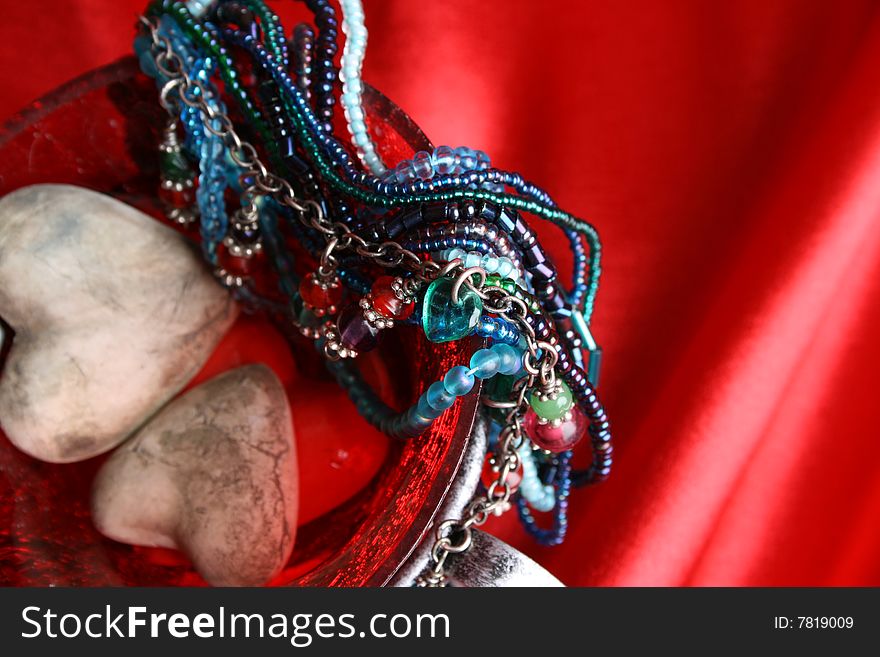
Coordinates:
558 436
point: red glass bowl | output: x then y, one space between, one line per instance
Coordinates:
100 131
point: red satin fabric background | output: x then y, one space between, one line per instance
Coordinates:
729 153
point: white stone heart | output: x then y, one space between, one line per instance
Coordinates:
113 314
214 474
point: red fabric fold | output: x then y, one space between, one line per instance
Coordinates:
730 156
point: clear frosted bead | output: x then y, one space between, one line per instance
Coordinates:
404 171
473 259
510 359
357 125
198 7
485 363
424 408
459 381
456 253
355 113
372 160
444 160
505 267
467 158
439 397
422 166
482 160
490 263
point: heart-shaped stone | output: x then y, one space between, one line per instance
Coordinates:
442 318
113 314
214 474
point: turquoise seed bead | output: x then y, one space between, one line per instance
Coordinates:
439 397
485 363
510 359
553 409
458 381
443 320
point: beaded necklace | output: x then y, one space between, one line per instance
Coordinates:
459 258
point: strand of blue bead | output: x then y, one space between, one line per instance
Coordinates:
535 200
209 147
562 484
583 291
538 495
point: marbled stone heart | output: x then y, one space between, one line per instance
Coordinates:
113 314
214 474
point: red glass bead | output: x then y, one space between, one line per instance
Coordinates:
177 198
255 268
386 302
490 474
321 293
234 264
555 436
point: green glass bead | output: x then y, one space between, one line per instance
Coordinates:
174 166
555 406
499 388
506 284
443 320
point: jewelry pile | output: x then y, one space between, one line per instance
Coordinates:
436 243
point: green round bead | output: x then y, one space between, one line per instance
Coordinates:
555 407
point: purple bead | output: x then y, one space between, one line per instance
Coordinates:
354 331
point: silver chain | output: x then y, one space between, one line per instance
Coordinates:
453 536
